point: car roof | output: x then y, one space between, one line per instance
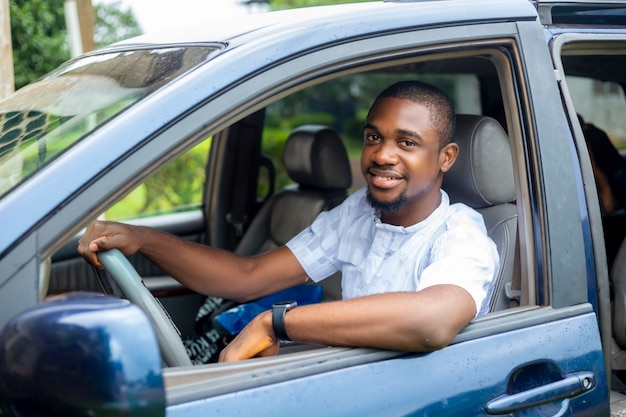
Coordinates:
356 19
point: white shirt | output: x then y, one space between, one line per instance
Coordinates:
451 246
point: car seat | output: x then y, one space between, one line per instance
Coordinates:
482 177
316 160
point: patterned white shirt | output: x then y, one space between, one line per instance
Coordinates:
451 246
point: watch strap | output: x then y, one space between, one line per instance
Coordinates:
278 320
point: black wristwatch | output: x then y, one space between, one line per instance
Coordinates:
278 319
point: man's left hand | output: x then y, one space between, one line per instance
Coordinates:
257 339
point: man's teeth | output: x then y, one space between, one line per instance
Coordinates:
384 178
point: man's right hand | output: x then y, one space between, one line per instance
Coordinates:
101 236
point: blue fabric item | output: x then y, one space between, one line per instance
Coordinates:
234 320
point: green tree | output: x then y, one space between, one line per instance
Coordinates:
39 38
39 34
114 23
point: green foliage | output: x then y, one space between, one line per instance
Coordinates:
114 23
177 187
39 34
39 38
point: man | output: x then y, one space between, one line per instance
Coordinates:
415 269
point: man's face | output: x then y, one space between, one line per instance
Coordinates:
402 161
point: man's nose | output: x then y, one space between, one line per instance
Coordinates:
386 154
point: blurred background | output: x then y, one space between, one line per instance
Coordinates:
38 35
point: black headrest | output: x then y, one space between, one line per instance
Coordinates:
482 175
315 156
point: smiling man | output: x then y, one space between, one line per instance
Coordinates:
415 268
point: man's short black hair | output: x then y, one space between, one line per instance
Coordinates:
442 115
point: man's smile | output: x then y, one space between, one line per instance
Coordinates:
384 178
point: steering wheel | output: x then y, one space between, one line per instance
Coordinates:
125 275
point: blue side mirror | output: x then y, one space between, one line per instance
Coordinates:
81 354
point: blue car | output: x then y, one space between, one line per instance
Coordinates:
237 134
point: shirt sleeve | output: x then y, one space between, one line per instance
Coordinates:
316 246
464 256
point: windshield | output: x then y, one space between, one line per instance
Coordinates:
47 117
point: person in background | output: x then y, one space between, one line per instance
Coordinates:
609 167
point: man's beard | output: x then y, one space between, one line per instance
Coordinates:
388 206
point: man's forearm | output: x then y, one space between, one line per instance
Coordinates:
219 272
409 321
201 268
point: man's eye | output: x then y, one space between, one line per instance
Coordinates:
407 143
372 137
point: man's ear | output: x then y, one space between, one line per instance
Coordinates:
447 156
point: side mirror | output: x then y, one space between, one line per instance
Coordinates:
81 354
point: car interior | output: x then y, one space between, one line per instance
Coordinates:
266 176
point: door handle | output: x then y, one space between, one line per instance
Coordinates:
572 385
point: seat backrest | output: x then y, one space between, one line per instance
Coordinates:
317 161
482 177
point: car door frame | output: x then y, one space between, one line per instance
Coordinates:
559 39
